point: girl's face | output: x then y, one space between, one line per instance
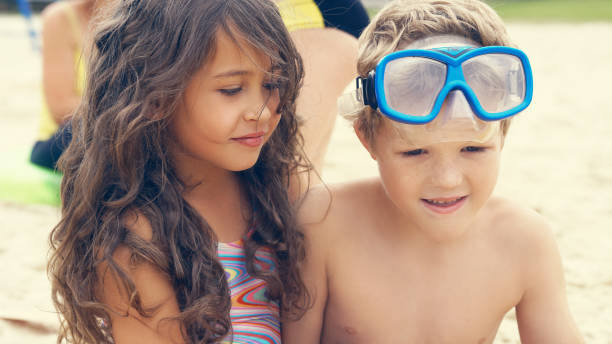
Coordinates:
228 110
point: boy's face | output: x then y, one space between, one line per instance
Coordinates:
439 187
441 174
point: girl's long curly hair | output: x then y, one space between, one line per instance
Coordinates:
143 55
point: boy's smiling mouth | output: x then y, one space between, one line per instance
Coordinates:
444 205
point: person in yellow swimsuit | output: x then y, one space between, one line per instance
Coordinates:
329 56
65 28
324 32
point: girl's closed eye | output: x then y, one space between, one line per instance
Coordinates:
272 85
230 91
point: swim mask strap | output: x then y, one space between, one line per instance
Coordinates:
368 89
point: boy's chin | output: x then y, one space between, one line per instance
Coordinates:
449 230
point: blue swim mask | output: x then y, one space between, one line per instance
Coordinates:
463 83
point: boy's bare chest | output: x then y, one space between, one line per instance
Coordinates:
385 299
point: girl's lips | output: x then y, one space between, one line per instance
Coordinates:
444 205
251 140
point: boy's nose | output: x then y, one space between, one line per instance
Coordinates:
446 174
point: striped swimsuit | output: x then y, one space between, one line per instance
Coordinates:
255 319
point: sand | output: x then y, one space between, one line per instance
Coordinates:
557 160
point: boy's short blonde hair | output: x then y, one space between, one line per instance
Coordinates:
401 22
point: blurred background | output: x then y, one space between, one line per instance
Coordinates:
557 159
532 10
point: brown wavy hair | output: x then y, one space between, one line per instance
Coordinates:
143 55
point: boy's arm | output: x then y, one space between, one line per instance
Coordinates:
307 329
543 314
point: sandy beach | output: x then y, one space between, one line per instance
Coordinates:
557 160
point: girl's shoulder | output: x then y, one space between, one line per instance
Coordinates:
138 224
132 321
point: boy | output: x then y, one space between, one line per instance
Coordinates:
424 254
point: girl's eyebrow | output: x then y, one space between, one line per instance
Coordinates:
241 72
231 73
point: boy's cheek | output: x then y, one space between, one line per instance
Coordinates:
397 180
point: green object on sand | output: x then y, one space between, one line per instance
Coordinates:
554 10
25 183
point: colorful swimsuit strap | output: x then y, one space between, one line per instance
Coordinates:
255 319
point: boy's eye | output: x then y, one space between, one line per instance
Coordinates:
414 152
473 149
230 91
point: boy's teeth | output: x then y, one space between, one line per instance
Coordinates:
436 202
441 202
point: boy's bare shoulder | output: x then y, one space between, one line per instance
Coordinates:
330 208
516 227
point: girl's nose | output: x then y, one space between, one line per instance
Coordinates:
260 110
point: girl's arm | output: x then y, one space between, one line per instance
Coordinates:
58 62
154 289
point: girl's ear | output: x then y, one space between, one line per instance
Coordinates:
367 144
158 113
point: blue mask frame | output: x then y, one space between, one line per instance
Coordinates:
452 57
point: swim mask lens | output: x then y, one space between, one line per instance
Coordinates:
411 86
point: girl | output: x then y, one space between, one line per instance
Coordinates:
178 169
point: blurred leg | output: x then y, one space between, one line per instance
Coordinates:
330 64
347 15
47 153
